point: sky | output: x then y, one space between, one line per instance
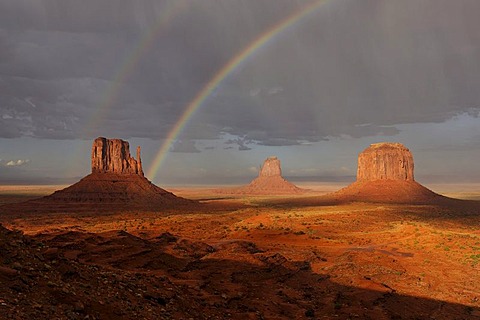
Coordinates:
345 74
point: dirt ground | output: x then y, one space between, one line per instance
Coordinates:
238 257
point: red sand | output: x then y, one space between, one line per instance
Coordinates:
245 258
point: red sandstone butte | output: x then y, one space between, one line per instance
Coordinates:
113 156
271 167
269 181
385 161
385 174
116 183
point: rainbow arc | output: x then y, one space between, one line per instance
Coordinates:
233 64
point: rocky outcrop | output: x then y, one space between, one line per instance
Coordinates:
116 183
385 174
113 156
385 161
268 182
270 168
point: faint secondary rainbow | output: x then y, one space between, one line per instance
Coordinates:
227 69
168 12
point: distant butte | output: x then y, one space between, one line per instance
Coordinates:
116 183
386 174
269 181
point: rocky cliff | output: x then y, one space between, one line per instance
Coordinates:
113 156
271 167
385 174
385 161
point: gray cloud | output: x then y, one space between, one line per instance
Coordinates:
187 146
279 142
14 163
242 143
355 68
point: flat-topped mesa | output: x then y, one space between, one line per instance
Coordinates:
385 161
271 167
113 156
385 175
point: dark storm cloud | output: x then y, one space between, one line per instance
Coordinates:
69 15
354 68
370 62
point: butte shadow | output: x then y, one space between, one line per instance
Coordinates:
117 183
187 279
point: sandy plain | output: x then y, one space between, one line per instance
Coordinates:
259 257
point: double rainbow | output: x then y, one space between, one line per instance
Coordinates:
263 39
169 11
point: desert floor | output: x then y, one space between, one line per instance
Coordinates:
265 257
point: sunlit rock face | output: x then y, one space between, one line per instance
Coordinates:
271 167
385 175
116 183
385 161
113 156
